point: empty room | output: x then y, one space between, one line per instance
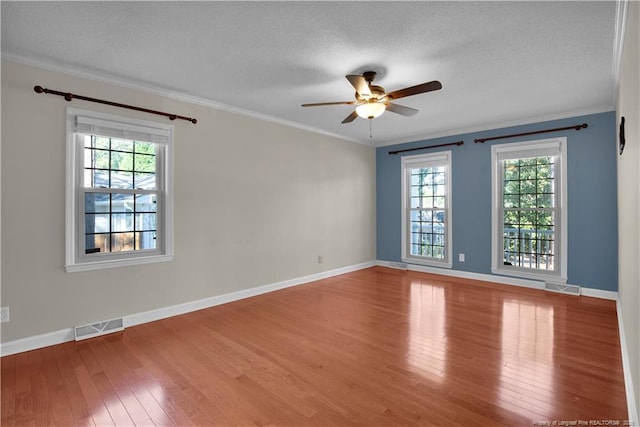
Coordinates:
283 213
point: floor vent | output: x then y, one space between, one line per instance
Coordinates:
562 288
399 265
100 328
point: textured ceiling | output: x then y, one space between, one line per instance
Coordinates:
500 63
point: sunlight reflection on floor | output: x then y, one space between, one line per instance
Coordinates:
427 322
527 374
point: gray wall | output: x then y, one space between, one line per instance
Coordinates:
255 203
629 195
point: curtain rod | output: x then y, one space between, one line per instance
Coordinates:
576 127
428 146
69 96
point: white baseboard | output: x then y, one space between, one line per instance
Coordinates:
505 280
65 335
38 341
599 293
626 369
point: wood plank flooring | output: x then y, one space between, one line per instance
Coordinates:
377 347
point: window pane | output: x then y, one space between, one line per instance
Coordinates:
121 222
545 200
96 202
122 242
528 201
146 222
96 159
145 163
511 201
121 180
146 203
121 161
146 240
121 144
145 147
96 223
122 202
415 177
544 219
145 181
94 141
95 178
96 243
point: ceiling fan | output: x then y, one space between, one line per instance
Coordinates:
371 100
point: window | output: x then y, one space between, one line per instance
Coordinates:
426 209
119 201
529 218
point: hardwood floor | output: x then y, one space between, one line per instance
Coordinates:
374 347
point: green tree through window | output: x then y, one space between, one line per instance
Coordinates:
528 212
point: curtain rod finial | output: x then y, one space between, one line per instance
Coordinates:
38 89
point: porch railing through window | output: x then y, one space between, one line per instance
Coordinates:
529 248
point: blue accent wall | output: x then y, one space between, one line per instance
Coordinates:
592 197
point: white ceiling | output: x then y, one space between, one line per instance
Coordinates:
500 63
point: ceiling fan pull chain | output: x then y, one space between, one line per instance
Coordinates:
370 133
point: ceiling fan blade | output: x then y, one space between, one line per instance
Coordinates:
414 90
360 84
401 109
351 117
319 104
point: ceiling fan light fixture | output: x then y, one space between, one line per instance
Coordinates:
370 110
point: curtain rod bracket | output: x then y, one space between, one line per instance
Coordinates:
69 96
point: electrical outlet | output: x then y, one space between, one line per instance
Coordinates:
320 259
4 314
461 257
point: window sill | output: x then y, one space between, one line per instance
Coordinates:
99 265
543 277
428 263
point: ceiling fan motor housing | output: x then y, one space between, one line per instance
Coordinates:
377 93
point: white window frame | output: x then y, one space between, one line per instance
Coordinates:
82 122
538 148
417 161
